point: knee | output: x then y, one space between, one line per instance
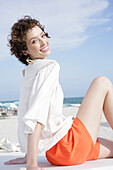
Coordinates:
103 82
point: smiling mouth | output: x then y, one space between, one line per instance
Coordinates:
45 49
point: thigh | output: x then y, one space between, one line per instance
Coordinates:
91 107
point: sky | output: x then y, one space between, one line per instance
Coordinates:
81 42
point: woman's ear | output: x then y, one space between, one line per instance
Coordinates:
24 52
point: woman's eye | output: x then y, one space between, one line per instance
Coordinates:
34 41
44 35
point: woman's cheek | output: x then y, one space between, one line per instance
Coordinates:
35 47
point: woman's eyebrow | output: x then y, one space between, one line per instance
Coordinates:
36 36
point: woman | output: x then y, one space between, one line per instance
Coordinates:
65 140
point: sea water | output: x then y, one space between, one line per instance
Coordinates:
72 101
67 102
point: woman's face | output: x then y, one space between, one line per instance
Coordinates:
37 44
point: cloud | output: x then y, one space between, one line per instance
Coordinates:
72 20
65 20
109 29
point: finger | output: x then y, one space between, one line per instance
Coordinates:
7 163
10 162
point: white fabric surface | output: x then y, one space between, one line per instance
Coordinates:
41 100
100 164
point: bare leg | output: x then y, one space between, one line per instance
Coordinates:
98 97
106 148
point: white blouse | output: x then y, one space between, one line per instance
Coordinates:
41 100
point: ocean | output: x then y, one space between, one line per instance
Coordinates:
68 101
72 101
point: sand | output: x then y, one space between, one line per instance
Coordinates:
8 126
8 129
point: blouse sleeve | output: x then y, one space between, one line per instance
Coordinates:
40 98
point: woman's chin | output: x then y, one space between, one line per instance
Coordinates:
47 53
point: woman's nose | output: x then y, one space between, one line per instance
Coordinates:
42 41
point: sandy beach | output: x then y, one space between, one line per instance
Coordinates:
8 126
8 129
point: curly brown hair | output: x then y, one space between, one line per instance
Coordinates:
17 38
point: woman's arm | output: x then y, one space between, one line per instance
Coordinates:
32 147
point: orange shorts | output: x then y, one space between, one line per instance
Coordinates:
75 147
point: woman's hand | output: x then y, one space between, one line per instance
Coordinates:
21 161
16 161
